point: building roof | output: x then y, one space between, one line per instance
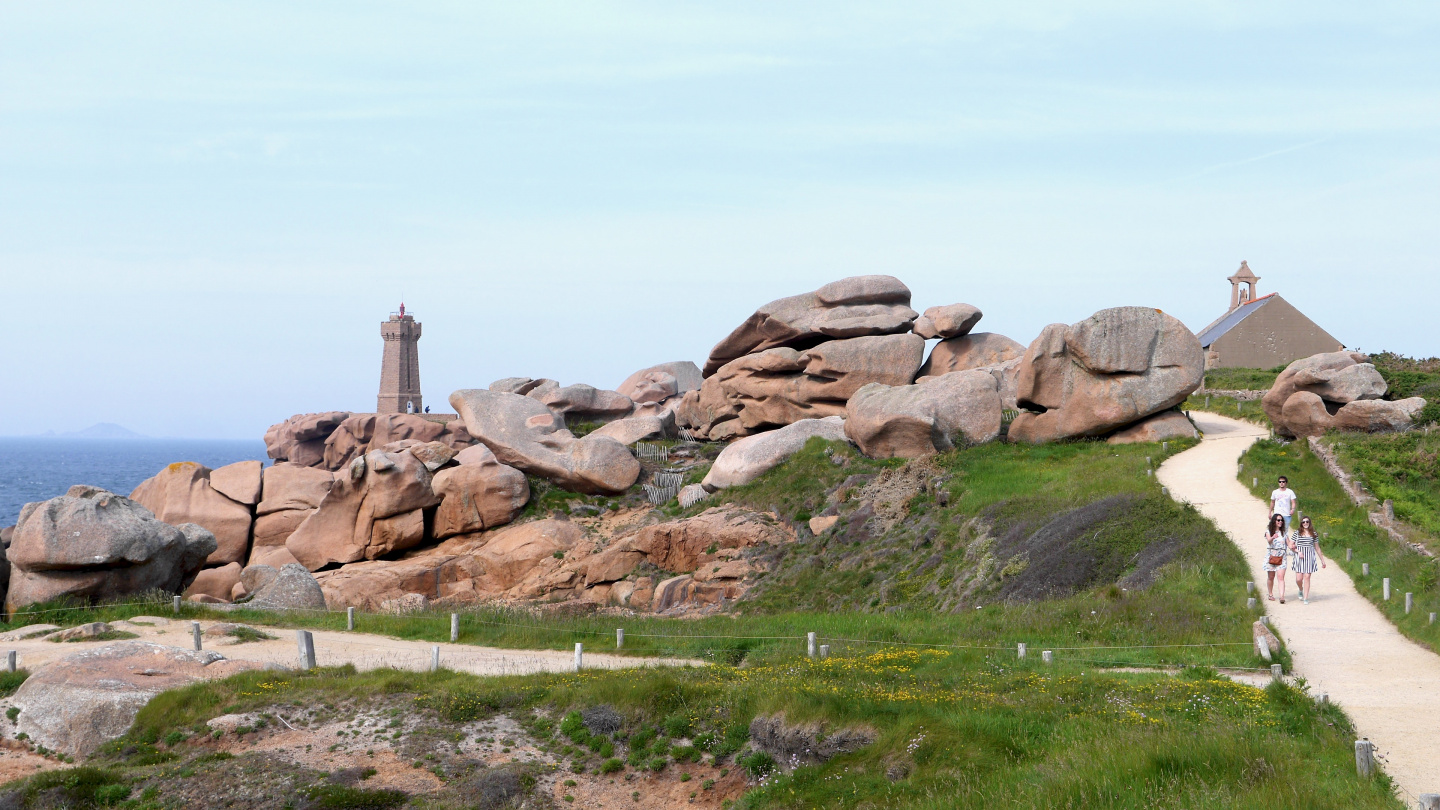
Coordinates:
1232 319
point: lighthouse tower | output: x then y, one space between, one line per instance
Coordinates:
400 366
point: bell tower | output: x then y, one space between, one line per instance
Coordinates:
1239 297
400 365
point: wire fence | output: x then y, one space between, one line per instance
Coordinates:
745 644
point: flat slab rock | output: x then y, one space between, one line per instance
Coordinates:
77 704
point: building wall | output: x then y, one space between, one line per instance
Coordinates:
400 367
1276 334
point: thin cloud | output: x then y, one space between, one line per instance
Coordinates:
1219 167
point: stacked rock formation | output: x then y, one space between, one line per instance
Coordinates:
1110 371
803 357
1335 391
331 440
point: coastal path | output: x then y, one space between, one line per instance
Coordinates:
1340 643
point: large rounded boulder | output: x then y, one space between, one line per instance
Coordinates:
1104 373
94 545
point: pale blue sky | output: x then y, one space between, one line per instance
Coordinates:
207 209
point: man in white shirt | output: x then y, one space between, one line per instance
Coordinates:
1284 502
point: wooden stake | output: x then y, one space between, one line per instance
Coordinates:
434 659
579 655
619 637
176 604
306 642
349 618
1385 588
195 631
1047 657
1020 650
1277 671
1409 602
810 644
1365 757
454 627
824 650
10 657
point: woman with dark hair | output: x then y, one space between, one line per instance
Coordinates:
1306 559
1277 547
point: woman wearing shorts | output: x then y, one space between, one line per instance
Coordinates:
1277 548
1307 559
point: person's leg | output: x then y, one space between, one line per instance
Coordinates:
1287 523
1307 587
1281 577
1270 584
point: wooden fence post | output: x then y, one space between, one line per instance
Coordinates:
824 650
1020 650
434 659
1385 588
12 655
1430 801
810 644
175 605
1277 671
349 618
1047 657
1409 602
619 637
195 631
1365 757
454 627
1364 569
579 655
306 642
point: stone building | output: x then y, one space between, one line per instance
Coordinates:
1261 332
400 365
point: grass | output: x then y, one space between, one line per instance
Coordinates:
968 728
1242 379
1249 410
1344 525
1401 467
108 635
10 681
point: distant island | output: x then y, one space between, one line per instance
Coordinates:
100 430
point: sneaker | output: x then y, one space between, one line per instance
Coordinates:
1282 601
1304 601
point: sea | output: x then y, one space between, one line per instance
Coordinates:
37 469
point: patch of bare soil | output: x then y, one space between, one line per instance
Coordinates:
17 761
695 785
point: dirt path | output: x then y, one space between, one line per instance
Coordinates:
1340 643
333 648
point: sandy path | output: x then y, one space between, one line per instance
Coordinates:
332 648
1341 644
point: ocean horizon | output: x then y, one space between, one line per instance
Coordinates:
37 468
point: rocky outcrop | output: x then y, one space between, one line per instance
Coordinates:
301 438
516 562
240 482
181 493
748 458
851 307
332 440
1106 372
476 497
779 386
217 583
289 588
970 351
374 509
523 385
660 383
525 434
947 322
1161 427
556 560
289 494
363 432
1335 391
585 403
95 545
79 703
912 421
634 429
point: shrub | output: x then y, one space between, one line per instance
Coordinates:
677 725
174 738
757 764
658 764
612 765
343 797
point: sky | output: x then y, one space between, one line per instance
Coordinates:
206 209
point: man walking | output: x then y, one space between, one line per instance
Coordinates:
1284 502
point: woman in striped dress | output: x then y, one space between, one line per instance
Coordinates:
1305 558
